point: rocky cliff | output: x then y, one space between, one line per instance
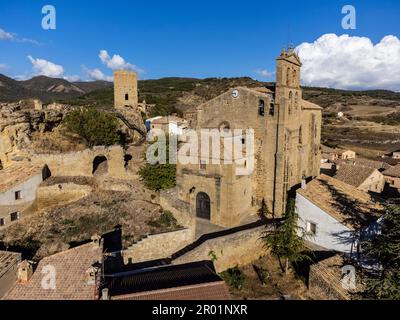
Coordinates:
19 121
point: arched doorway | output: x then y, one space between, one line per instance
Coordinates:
100 165
203 207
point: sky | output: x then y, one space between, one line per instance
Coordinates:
203 39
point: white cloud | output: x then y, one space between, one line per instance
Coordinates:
265 73
4 35
347 62
96 74
46 68
73 78
116 62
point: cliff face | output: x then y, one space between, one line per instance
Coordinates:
18 122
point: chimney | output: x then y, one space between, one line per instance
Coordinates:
303 183
96 239
25 271
104 294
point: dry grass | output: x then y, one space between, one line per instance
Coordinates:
52 231
277 283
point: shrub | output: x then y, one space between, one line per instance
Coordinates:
93 126
234 277
166 219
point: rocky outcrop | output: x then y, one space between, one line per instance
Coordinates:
17 123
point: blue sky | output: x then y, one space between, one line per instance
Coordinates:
179 38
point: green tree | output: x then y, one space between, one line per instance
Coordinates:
384 248
93 126
159 176
286 239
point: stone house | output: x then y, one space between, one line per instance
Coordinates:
287 132
76 272
8 270
347 154
392 177
363 178
18 185
334 214
170 125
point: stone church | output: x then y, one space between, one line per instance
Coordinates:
287 132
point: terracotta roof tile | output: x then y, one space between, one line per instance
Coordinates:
393 172
353 175
71 276
16 174
345 203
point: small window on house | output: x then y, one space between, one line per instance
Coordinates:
14 216
203 165
243 140
18 195
271 109
311 228
126 97
2 223
261 108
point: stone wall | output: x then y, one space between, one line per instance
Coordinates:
81 163
180 209
61 194
158 246
239 248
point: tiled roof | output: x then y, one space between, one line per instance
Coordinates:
190 281
379 165
353 174
342 201
393 172
71 276
205 291
16 174
8 260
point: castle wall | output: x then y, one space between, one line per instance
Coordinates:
81 163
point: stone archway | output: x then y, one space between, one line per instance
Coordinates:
100 166
203 206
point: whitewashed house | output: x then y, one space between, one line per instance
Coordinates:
335 214
18 185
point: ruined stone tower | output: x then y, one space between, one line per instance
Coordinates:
125 89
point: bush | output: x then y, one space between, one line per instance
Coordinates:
93 126
166 219
234 277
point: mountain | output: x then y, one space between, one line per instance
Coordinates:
46 89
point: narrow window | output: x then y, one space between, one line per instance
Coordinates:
18 195
14 216
271 109
296 100
261 108
288 77
2 222
126 97
301 135
294 78
290 102
243 140
311 228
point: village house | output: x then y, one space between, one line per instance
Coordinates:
375 164
392 177
287 131
170 125
363 178
334 213
329 154
18 185
75 274
8 270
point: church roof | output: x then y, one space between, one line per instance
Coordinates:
307 105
